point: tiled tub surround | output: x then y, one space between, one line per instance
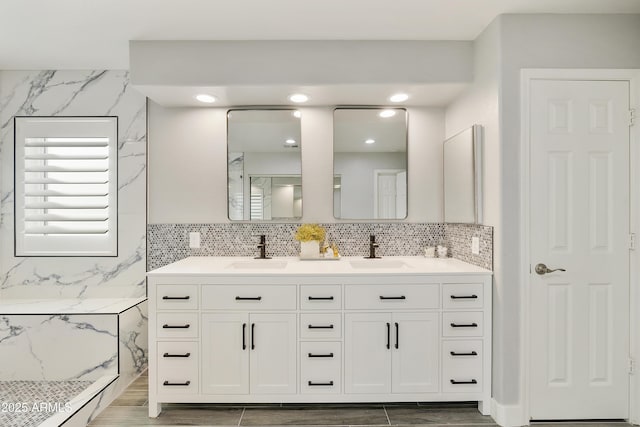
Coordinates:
77 93
101 342
170 242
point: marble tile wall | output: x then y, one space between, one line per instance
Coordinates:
170 242
133 344
53 347
77 93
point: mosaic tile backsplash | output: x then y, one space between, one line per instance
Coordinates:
168 243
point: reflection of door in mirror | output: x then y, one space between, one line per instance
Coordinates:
264 167
370 163
390 193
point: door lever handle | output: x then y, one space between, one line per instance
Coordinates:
542 269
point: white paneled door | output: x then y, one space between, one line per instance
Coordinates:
579 202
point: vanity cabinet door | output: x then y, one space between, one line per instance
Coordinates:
415 352
273 360
367 353
225 353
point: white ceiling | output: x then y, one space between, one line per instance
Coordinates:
81 34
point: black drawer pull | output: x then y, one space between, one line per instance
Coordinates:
248 298
170 298
464 325
473 353
176 355
320 355
253 336
397 335
320 298
186 383
388 335
320 326
464 382
311 384
464 296
165 326
400 297
244 336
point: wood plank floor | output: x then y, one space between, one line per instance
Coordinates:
131 409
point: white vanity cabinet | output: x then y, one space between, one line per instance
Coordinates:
246 353
319 332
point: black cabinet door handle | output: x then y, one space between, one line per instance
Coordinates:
320 326
464 325
248 298
321 355
400 297
464 382
244 336
176 355
171 298
473 353
388 335
320 298
165 326
186 383
464 296
253 336
311 384
397 335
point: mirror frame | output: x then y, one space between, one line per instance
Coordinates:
476 165
406 144
256 221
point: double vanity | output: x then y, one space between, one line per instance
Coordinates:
396 329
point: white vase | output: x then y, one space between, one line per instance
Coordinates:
310 249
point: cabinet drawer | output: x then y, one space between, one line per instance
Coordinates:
462 295
177 368
462 324
177 325
249 297
320 325
461 366
320 367
392 297
177 297
320 297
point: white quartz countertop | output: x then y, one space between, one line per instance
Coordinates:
293 266
68 305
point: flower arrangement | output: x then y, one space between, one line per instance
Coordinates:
310 232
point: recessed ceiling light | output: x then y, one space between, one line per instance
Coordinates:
399 97
298 97
207 99
387 113
290 141
369 141
297 114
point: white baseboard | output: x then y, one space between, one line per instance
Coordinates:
508 415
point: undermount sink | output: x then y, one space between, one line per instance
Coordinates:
378 263
258 264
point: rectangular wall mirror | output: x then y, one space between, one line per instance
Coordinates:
463 177
263 165
370 163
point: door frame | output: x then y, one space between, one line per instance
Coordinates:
526 77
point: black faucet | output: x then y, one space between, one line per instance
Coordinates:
372 247
263 248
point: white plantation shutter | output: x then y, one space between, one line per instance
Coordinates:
66 186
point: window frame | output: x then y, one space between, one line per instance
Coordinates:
113 159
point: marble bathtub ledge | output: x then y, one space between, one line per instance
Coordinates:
293 266
79 402
68 306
